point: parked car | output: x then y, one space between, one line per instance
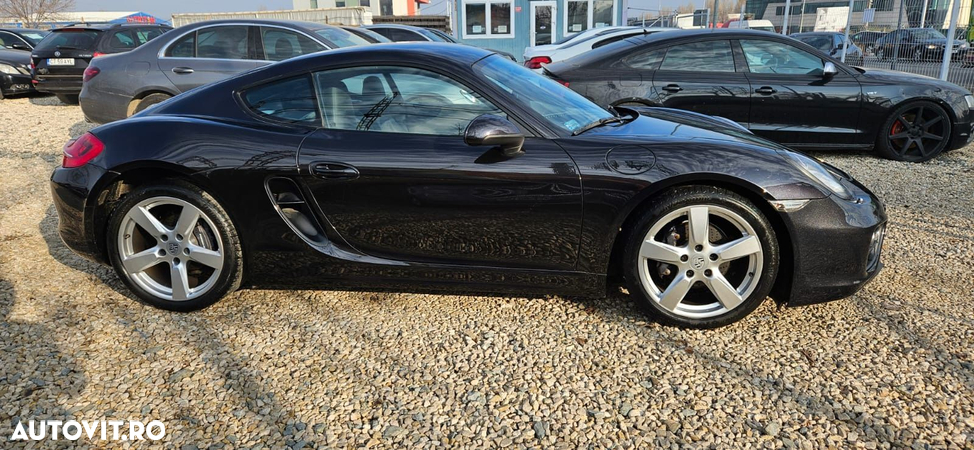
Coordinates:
421 166
198 54
779 88
14 73
409 33
866 40
831 43
917 44
21 38
59 61
368 35
535 57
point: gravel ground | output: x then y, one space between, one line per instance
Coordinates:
889 367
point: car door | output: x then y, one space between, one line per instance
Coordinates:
793 103
209 54
391 173
702 76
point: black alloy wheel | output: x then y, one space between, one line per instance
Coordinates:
915 132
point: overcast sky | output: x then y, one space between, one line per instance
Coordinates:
165 9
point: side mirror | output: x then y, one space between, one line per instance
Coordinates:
494 131
829 70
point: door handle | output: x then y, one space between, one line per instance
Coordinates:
767 90
334 171
182 70
672 88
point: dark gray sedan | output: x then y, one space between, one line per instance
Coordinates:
115 87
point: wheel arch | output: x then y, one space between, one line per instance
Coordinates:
126 178
781 288
134 102
943 104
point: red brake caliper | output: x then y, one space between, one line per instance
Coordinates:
896 128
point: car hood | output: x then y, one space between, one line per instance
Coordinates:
15 56
681 125
893 76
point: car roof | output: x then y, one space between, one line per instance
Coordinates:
297 24
107 26
21 30
816 33
394 25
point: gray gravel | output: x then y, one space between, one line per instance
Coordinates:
892 366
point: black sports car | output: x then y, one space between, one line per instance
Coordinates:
15 73
432 166
778 88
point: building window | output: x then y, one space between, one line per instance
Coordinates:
779 11
581 15
314 4
488 19
365 3
339 3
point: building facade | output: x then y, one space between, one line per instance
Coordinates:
513 25
376 7
887 16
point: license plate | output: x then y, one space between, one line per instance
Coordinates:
60 62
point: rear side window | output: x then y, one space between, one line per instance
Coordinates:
281 44
222 43
185 47
341 38
645 60
70 39
706 56
291 101
612 39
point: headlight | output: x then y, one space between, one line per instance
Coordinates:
931 46
970 101
8 69
819 173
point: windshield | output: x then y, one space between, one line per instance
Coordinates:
927 34
34 37
73 39
823 43
561 108
341 38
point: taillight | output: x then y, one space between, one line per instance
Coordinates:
90 73
536 62
80 151
561 82
97 54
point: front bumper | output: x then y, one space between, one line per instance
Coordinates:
71 190
961 134
16 84
836 246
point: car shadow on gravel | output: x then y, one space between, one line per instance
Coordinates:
36 377
46 100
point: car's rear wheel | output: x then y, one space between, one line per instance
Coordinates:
174 247
67 99
915 132
701 257
149 100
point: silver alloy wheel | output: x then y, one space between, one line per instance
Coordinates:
700 261
193 239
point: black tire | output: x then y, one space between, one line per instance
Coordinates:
1 94
683 197
150 100
67 99
893 150
230 277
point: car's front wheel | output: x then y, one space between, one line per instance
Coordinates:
174 246
915 132
701 257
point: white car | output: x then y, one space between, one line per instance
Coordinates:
576 44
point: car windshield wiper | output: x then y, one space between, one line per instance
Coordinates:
598 123
65 47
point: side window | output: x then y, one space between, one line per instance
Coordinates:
185 47
291 100
384 32
222 42
143 35
405 36
124 39
6 40
397 100
779 58
706 56
645 60
281 44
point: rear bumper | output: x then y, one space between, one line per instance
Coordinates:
837 246
58 84
16 84
102 107
71 189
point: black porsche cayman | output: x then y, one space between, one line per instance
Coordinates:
431 167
